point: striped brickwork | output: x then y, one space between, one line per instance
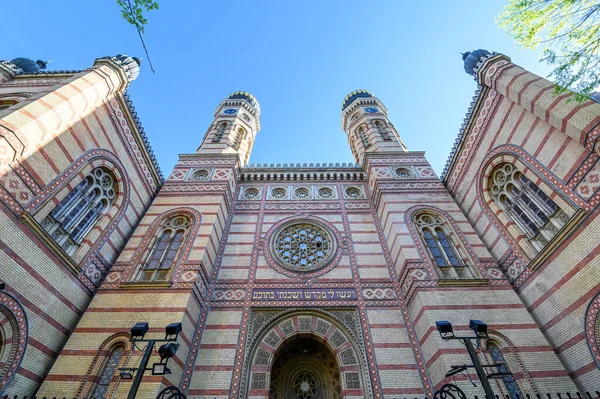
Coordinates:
519 119
488 297
63 126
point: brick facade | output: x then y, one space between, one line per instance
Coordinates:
372 304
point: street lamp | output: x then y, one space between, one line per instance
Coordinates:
166 351
444 327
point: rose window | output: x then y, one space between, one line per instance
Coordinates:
305 385
302 192
303 246
403 173
278 193
200 175
353 192
251 193
325 192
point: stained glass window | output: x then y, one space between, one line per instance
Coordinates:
109 372
75 215
509 382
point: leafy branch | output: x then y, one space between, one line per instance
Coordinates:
568 32
133 12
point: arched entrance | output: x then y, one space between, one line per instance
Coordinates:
305 368
305 354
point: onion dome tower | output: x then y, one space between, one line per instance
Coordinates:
365 121
28 65
234 128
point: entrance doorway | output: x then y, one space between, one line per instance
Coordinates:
304 368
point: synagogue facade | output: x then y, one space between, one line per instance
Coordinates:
312 281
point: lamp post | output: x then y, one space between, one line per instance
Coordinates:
444 327
166 351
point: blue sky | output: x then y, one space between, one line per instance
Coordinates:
299 59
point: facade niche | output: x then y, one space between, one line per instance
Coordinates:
525 204
73 218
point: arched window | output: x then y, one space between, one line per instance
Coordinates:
70 221
438 238
162 255
538 216
240 135
220 131
380 126
109 371
508 381
362 134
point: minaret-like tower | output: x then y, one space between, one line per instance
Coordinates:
237 120
365 121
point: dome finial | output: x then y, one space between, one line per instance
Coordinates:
244 95
353 96
474 59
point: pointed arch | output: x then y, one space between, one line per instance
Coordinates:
102 378
442 244
313 323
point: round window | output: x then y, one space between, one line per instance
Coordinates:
303 246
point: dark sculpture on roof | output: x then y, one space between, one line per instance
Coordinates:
28 65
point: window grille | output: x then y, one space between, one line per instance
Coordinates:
70 221
438 239
241 134
362 134
530 208
380 126
508 381
162 255
109 371
220 132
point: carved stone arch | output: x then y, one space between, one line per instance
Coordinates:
90 381
14 335
317 324
513 361
409 218
539 174
150 235
592 328
42 204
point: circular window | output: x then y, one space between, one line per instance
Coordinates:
278 192
353 192
403 173
246 117
305 385
325 192
302 192
200 175
251 193
303 246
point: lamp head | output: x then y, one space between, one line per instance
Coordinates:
444 327
172 330
139 331
125 375
168 350
479 327
160 369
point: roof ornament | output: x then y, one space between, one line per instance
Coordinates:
353 96
131 65
22 65
473 60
